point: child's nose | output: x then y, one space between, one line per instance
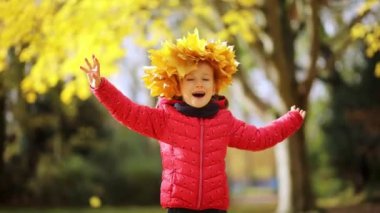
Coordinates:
199 85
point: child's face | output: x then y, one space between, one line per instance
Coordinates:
198 86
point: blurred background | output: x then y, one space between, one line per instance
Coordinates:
62 152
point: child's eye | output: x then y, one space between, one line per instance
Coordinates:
189 79
206 79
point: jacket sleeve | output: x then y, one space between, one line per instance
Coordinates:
142 119
249 137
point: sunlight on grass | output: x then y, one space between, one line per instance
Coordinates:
344 198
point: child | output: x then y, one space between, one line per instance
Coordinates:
191 121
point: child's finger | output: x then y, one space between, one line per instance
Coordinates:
88 63
93 59
84 69
97 63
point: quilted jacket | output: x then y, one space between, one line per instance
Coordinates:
193 149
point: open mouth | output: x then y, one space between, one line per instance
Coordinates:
199 94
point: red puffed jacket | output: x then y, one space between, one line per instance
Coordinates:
193 149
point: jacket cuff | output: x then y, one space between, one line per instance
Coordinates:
297 115
101 84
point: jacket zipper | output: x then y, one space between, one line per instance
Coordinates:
200 165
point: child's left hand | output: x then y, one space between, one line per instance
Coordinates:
92 71
302 112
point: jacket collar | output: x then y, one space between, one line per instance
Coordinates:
215 104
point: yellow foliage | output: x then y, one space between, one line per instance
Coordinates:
359 30
247 3
31 97
367 5
241 22
201 8
369 33
377 70
159 31
173 3
372 40
54 36
68 92
3 55
189 23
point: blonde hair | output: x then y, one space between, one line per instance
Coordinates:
175 60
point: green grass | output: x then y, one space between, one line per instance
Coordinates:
258 209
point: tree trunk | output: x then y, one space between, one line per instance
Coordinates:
302 197
295 188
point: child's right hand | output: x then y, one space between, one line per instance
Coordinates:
93 72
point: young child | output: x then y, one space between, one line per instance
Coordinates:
191 121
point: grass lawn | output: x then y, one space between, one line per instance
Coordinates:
258 209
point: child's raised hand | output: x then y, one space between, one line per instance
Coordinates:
92 71
302 112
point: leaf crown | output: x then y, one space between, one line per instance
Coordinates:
173 61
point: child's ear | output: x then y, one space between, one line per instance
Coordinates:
178 93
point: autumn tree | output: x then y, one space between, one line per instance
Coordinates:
43 43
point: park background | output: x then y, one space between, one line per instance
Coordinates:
61 150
